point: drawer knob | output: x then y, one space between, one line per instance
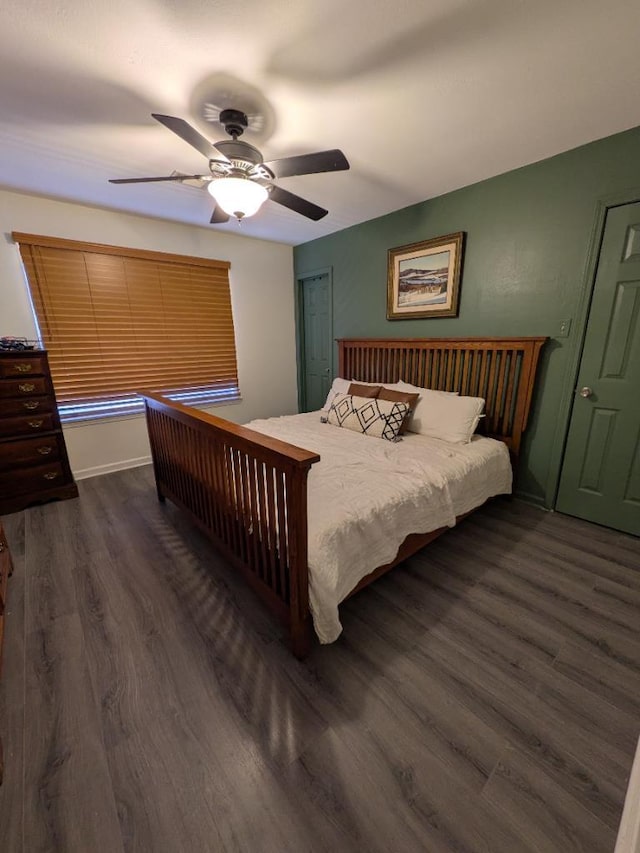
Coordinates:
36 424
45 450
50 475
23 368
26 387
31 404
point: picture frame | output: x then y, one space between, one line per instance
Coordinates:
423 279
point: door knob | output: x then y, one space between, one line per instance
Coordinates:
328 370
585 392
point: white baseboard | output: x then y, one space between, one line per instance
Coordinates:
629 832
97 470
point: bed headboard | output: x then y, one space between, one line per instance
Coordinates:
502 370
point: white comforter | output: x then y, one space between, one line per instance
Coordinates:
366 495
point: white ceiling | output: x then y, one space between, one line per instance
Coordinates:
423 96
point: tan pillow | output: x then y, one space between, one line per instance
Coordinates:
400 397
357 390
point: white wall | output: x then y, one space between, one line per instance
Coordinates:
261 278
629 832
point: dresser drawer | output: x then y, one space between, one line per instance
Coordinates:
23 387
38 479
26 425
25 365
28 406
29 450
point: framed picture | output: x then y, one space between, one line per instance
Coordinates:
423 279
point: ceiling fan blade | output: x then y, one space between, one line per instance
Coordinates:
149 180
190 135
218 216
296 203
309 164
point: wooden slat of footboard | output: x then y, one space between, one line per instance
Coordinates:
283 547
507 415
257 544
271 519
231 538
240 530
263 530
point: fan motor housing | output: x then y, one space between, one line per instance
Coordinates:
240 152
235 122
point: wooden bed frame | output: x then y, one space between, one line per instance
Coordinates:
248 491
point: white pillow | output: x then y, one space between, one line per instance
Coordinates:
446 416
415 389
368 415
339 386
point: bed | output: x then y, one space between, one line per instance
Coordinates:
286 522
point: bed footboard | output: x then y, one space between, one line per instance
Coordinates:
248 492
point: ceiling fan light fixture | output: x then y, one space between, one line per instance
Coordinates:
239 197
238 172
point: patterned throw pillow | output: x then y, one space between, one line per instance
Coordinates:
400 397
370 416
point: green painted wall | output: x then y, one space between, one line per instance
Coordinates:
526 267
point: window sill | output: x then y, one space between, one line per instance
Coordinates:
97 420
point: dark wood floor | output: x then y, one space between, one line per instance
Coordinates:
484 697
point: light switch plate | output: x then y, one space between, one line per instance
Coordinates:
564 328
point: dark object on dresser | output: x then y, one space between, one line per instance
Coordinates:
20 344
34 466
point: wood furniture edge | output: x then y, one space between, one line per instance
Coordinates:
288 452
24 500
402 342
412 544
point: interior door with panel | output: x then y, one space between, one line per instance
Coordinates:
317 340
600 478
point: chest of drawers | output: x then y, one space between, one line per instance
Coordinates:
34 466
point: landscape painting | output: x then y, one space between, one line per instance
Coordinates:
423 279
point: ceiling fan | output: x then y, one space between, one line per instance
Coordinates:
240 180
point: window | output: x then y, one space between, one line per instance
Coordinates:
117 321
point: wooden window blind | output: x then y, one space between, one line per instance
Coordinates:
116 321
